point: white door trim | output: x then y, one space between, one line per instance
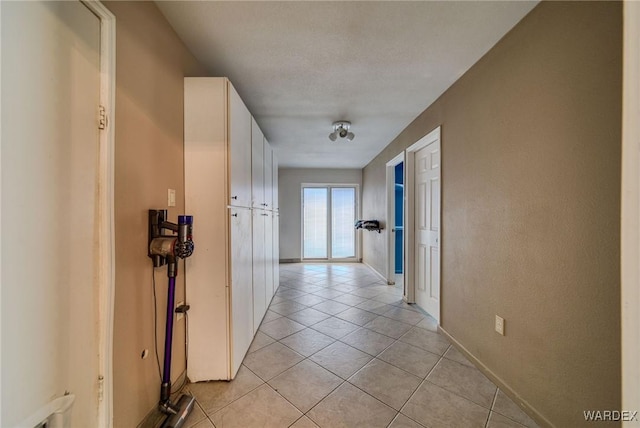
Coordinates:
106 210
1 401
630 210
409 227
391 217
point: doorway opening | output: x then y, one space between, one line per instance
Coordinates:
328 218
399 221
396 221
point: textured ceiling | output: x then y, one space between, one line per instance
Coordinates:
299 66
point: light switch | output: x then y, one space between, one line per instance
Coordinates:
171 198
499 325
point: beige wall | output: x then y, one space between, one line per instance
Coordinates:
531 204
151 63
290 182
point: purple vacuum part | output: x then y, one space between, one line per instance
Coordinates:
168 340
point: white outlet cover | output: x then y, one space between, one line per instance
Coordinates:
500 325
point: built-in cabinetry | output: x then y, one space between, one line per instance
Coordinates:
231 277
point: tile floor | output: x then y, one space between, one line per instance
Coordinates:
339 348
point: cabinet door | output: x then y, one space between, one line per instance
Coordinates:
274 171
268 256
241 292
257 166
259 283
276 251
268 176
240 150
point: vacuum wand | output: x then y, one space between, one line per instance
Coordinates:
168 249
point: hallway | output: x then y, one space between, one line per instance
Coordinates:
339 348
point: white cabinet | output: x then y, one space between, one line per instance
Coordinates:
274 172
263 247
268 233
240 150
268 256
241 290
260 301
268 176
230 276
217 130
276 251
276 224
257 166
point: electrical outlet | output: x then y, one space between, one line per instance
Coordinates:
180 314
171 198
500 325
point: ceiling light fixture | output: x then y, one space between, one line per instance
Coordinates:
341 129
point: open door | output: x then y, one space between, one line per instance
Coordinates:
57 209
423 223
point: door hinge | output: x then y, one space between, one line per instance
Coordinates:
102 117
100 388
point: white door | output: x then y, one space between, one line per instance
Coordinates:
268 256
241 286
240 148
268 176
257 166
276 251
259 268
427 228
50 246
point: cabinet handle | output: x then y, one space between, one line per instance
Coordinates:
234 197
264 205
265 215
234 215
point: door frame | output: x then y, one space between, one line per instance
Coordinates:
106 218
329 186
409 227
630 209
391 216
105 201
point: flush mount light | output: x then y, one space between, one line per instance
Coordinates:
341 129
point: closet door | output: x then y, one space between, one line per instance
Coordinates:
276 251
274 172
268 247
241 288
257 166
240 150
276 224
259 272
268 176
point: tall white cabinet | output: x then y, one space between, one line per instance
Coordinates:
229 278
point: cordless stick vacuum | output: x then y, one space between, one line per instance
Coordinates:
167 249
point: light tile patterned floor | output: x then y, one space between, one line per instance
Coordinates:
339 348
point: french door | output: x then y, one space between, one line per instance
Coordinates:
328 217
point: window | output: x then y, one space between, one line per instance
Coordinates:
328 217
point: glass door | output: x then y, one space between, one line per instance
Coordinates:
328 217
314 219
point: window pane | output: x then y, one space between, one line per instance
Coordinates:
315 223
343 203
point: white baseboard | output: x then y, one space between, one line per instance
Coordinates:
523 404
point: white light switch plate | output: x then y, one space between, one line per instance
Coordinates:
500 325
171 198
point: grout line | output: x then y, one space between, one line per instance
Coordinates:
329 284
493 402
